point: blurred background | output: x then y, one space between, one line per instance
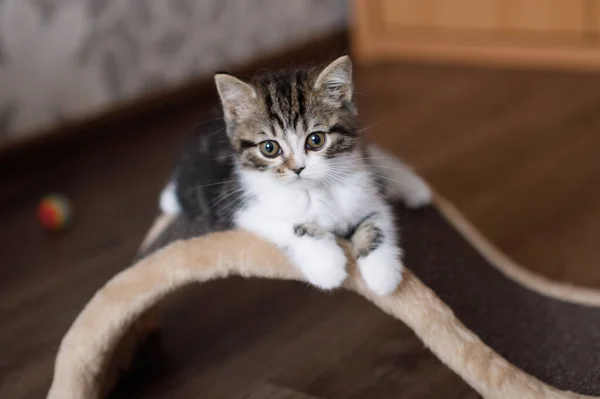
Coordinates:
70 59
495 102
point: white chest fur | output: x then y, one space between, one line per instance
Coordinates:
334 207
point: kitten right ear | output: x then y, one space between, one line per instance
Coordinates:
335 81
237 97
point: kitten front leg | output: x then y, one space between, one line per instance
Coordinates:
378 256
317 254
312 250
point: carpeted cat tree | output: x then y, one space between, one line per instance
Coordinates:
506 331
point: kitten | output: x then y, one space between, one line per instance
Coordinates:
305 177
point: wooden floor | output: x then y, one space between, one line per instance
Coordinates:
516 151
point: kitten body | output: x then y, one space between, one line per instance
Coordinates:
302 176
305 221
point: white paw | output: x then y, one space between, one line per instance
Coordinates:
418 194
322 261
382 270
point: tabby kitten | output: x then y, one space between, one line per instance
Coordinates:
305 176
301 161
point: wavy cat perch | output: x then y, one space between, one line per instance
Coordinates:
507 332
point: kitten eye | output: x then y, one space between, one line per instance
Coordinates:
270 149
315 141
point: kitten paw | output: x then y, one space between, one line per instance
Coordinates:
382 270
322 262
418 195
311 230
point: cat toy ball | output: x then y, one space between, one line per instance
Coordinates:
54 212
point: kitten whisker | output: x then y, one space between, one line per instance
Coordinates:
336 178
238 190
233 206
341 168
399 182
367 127
225 192
223 157
213 184
208 121
217 131
372 157
383 166
382 188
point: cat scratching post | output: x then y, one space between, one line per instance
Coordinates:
453 271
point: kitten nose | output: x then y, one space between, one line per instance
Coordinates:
298 170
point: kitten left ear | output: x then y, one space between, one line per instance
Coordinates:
237 97
335 81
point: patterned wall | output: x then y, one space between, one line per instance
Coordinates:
62 59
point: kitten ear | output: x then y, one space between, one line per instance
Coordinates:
237 97
335 81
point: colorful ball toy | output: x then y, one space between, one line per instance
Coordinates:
54 212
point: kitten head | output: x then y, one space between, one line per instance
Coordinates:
295 126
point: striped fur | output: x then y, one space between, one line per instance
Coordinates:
299 102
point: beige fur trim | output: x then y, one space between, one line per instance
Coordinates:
160 224
84 360
522 276
562 291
